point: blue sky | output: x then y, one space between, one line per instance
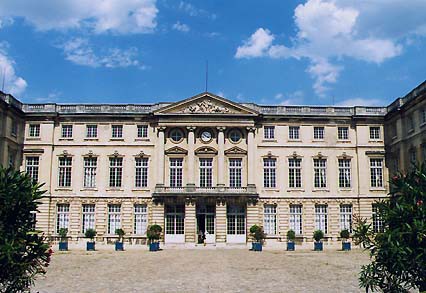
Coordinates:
346 52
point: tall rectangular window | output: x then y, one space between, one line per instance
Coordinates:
376 172
235 173
65 170
423 116
34 130
410 122
344 173
117 131
321 218
142 131
320 173
141 219
91 131
293 132
115 171
66 131
31 167
141 175
114 218
346 217
319 133
62 216
413 155
295 173
374 133
269 132
270 219
14 128
176 166
269 172
88 217
90 165
296 218
343 133
206 172
378 226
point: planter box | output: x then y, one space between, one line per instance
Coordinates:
90 246
256 246
290 246
318 246
346 246
157 245
119 246
63 246
154 246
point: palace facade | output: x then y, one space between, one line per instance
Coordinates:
203 166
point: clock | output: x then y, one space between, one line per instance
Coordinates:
206 136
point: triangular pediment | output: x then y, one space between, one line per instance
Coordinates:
235 151
176 151
206 103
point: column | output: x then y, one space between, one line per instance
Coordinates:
251 183
220 222
221 157
190 227
191 157
160 157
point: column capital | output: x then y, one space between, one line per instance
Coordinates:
191 128
251 128
221 128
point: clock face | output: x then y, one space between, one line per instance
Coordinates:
206 136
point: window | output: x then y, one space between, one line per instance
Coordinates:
343 133
176 135
296 218
410 122
141 219
235 173
393 131
320 173
269 173
142 131
62 216
376 172
321 218
115 172
14 128
12 158
293 132
319 133
346 217
424 151
114 218
65 168
90 165
31 167
374 133
413 155
236 220
268 132
66 131
91 131
235 136
175 219
294 173
378 226
422 116
141 175
176 165
344 173
34 130
270 219
117 131
88 217
206 172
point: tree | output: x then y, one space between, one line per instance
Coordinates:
24 253
398 253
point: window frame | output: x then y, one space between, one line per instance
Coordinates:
34 130
317 135
90 165
67 131
269 172
142 131
269 132
65 172
375 172
343 133
91 131
117 131
294 132
375 133
295 172
141 172
235 167
270 219
344 173
320 173
116 169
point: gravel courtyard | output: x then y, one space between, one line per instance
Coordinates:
203 270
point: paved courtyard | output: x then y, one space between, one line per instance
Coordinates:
203 270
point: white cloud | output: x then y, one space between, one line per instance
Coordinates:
360 102
329 30
294 98
79 51
12 83
191 10
99 16
181 27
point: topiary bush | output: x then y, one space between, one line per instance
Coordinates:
154 233
291 235
257 233
344 234
318 235
120 232
63 234
90 233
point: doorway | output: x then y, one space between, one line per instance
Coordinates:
206 224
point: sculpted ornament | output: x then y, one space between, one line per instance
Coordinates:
206 106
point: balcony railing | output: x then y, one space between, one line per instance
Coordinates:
205 190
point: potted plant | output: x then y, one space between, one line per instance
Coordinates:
63 242
318 235
259 236
119 244
291 236
90 245
344 234
153 234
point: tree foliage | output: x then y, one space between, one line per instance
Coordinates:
257 233
398 253
24 252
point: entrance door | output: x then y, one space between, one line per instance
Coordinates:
206 223
236 224
175 224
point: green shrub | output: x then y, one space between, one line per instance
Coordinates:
63 234
90 233
154 232
344 234
318 235
120 232
291 235
257 233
